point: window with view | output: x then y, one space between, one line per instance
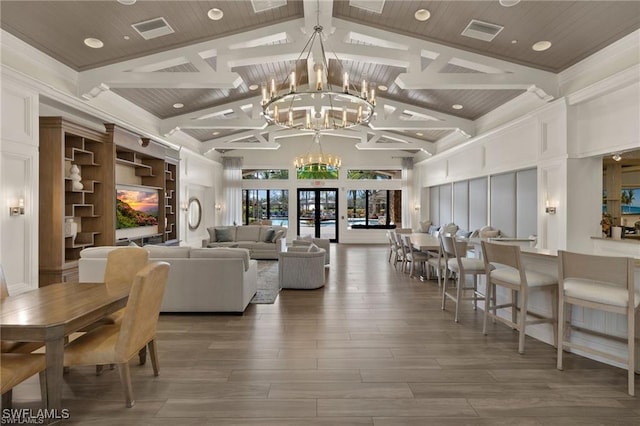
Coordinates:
265 204
265 174
317 171
373 208
374 174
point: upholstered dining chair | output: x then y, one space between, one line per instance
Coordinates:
456 261
15 368
504 268
393 248
10 345
118 343
604 283
412 256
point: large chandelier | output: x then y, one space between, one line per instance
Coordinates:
317 106
316 157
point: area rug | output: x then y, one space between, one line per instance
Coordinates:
268 287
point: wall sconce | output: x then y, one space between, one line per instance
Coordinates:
416 207
616 157
218 207
17 210
550 209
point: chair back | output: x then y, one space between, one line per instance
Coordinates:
616 271
501 254
140 319
4 289
449 229
403 230
123 264
452 248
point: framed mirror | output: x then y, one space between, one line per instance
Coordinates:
194 213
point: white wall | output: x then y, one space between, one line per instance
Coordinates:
19 179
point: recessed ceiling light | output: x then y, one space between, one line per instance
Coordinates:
422 15
127 2
178 105
126 37
253 87
216 133
382 88
514 41
215 14
419 134
93 43
509 3
457 106
541 46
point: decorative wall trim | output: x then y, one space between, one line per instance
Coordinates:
614 82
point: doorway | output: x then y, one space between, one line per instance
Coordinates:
317 213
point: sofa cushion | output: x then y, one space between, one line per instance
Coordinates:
228 244
224 235
222 253
278 234
266 234
424 226
261 246
248 233
168 252
313 248
97 252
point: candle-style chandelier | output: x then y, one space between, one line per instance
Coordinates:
317 106
317 157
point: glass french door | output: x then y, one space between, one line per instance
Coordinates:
317 213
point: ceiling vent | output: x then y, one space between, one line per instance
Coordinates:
374 6
153 28
482 30
263 5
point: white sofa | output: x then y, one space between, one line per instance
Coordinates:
200 279
262 241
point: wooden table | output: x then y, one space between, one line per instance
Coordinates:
50 313
424 242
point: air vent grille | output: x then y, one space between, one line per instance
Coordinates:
263 5
482 30
153 28
374 6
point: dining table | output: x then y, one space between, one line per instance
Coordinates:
49 314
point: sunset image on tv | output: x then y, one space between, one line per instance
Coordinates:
136 207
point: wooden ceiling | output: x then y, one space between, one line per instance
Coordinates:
426 66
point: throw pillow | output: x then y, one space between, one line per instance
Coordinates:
132 244
491 234
223 235
212 234
313 248
425 225
277 235
268 236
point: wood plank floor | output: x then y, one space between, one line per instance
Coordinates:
371 348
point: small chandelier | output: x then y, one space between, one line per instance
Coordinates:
315 156
318 106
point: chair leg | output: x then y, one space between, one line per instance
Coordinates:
560 330
475 292
125 379
487 307
523 321
459 292
7 399
142 356
445 281
43 388
554 312
631 350
153 354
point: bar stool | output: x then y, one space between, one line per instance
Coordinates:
456 261
504 268
604 283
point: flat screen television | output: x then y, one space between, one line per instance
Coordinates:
136 211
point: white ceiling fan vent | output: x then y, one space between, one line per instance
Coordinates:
153 28
482 30
374 6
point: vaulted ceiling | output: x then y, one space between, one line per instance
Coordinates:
421 69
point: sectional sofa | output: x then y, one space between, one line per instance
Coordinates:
200 279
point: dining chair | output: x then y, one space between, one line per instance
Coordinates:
10 345
413 256
15 368
393 247
401 259
504 268
456 261
436 263
603 283
118 343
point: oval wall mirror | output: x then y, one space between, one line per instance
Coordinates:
194 213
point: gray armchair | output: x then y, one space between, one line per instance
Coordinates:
301 269
323 243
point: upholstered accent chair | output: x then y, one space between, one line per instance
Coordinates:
118 343
603 283
504 268
301 268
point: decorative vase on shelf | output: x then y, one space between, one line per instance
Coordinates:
76 185
70 228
